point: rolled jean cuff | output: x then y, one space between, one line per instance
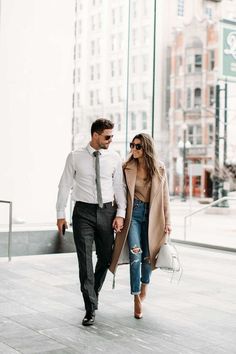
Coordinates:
135 292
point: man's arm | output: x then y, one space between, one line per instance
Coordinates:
65 185
120 191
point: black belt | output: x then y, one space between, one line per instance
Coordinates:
105 205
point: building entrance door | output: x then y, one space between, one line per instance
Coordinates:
208 185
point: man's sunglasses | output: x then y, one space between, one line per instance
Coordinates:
136 146
107 137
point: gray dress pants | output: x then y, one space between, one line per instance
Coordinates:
93 224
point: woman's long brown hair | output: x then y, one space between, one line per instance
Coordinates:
149 155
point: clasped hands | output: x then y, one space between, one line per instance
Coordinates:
118 223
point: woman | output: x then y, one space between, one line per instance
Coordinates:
147 218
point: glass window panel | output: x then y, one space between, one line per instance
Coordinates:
133 121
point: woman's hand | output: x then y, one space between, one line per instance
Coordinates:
168 229
118 224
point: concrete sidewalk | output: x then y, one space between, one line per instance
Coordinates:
212 226
41 308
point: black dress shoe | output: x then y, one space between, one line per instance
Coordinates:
89 318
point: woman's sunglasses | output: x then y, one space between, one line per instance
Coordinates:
136 146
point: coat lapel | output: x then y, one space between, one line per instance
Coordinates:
130 174
156 187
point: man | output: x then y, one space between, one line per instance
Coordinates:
99 192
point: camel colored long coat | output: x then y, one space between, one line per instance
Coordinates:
159 216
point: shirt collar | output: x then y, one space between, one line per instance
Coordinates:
91 150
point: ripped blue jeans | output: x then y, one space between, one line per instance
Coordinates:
140 267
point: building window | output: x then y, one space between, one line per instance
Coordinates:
112 43
120 67
91 72
98 96
134 37
189 68
98 46
198 62
197 98
133 92
210 134
92 23
208 12
78 99
178 98
111 95
98 71
211 59
195 134
179 63
99 21
144 90
79 50
121 14
145 34
92 47
91 98
134 9
112 69
118 122
145 62
113 16
189 63
144 120
180 9
120 40
211 95
145 7
119 96
189 96
79 27
133 121
134 64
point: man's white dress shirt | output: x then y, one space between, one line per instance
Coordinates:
79 174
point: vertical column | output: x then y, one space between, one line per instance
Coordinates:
217 140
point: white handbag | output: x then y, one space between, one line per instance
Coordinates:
168 258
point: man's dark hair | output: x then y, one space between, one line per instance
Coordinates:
100 125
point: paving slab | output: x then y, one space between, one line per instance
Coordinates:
41 308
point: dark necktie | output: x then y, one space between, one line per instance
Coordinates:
98 179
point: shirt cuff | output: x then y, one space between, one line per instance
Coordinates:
120 213
61 214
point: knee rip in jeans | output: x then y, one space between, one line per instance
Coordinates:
136 250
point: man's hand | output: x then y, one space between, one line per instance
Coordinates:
60 223
118 224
